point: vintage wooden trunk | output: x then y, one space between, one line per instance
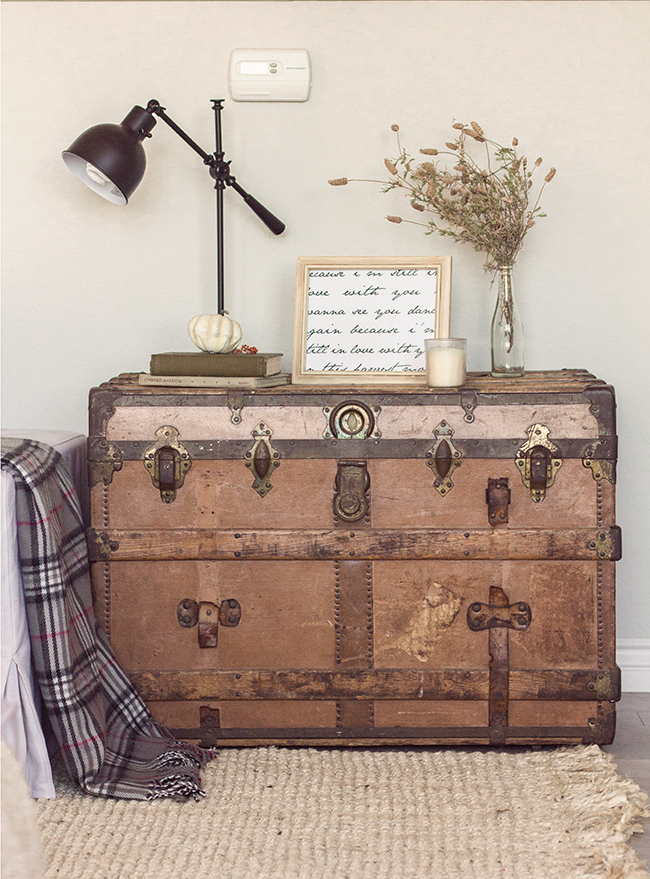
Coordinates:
362 566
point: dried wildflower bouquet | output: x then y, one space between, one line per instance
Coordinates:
488 208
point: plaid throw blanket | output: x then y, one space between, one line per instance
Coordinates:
109 741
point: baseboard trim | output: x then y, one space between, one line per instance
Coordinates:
633 658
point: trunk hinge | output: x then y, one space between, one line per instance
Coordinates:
208 617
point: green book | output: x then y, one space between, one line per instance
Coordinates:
201 363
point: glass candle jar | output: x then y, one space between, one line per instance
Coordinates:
446 359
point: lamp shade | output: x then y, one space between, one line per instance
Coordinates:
109 158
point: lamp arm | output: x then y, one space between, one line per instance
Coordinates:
220 173
270 220
219 168
154 107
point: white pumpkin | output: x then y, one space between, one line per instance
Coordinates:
215 333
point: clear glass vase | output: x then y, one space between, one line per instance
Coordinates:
507 330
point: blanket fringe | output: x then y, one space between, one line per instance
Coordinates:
177 786
607 809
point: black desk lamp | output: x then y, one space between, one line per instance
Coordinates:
111 160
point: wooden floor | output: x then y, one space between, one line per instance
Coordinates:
631 752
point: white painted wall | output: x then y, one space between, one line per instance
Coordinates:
91 290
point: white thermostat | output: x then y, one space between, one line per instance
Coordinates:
270 75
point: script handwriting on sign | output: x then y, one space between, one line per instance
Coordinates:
369 320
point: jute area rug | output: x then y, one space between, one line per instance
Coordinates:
280 813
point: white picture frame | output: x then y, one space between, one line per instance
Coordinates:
363 320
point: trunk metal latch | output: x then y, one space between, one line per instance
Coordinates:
443 458
262 459
497 497
352 483
538 460
167 462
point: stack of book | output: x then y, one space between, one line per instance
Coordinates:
197 369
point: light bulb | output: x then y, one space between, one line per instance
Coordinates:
96 175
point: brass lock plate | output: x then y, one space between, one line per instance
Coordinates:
538 460
351 485
262 459
443 458
167 461
352 420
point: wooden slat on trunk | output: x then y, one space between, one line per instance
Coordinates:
373 543
364 684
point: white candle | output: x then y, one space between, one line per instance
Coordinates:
445 362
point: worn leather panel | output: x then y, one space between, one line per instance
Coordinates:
286 622
420 613
309 422
403 495
562 597
421 608
219 494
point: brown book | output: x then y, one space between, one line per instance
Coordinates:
214 381
200 363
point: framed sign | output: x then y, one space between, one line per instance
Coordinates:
363 320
